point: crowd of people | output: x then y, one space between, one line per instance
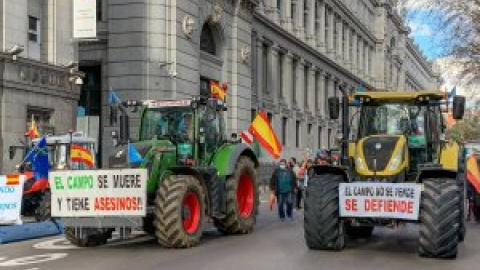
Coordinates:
290 179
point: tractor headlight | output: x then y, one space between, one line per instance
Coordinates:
396 161
360 164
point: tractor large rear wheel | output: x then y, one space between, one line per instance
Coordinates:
440 218
179 212
242 199
324 229
87 237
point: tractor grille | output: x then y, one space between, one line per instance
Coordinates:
381 154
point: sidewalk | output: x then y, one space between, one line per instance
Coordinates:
29 230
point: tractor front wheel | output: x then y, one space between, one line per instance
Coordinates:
179 212
242 199
324 229
440 218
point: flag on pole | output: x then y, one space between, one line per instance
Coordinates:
452 93
38 156
262 130
218 92
113 98
247 137
33 130
473 175
81 155
134 156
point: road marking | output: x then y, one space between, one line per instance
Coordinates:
33 259
59 243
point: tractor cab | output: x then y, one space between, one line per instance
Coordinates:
183 132
395 133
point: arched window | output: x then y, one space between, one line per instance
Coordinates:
207 40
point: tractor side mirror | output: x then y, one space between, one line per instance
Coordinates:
334 107
458 107
124 129
11 152
113 115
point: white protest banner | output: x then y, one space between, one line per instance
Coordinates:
84 19
99 193
381 200
11 190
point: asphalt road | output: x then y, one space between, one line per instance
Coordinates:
273 245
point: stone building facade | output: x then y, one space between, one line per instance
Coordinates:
35 45
284 56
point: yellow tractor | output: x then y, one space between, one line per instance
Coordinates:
396 167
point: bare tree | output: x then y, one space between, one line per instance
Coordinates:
457 23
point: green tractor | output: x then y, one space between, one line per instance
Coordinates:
194 172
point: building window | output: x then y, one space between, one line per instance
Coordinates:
326 94
350 50
297 134
329 138
294 14
265 50
305 86
99 10
294 81
284 130
281 56
279 4
270 118
253 114
327 25
42 117
335 35
319 137
33 29
207 40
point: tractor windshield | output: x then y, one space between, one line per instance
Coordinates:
173 123
394 119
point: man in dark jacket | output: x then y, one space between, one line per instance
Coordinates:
283 184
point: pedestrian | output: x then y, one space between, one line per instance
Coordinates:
300 174
296 169
306 173
283 185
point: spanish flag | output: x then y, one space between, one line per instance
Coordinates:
13 180
262 130
33 130
473 175
81 155
217 91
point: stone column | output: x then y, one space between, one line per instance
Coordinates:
331 27
272 10
260 68
300 83
311 89
321 27
287 78
273 66
321 93
346 55
361 59
298 21
311 22
339 38
286 14
354 56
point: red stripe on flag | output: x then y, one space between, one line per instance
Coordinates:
245 137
